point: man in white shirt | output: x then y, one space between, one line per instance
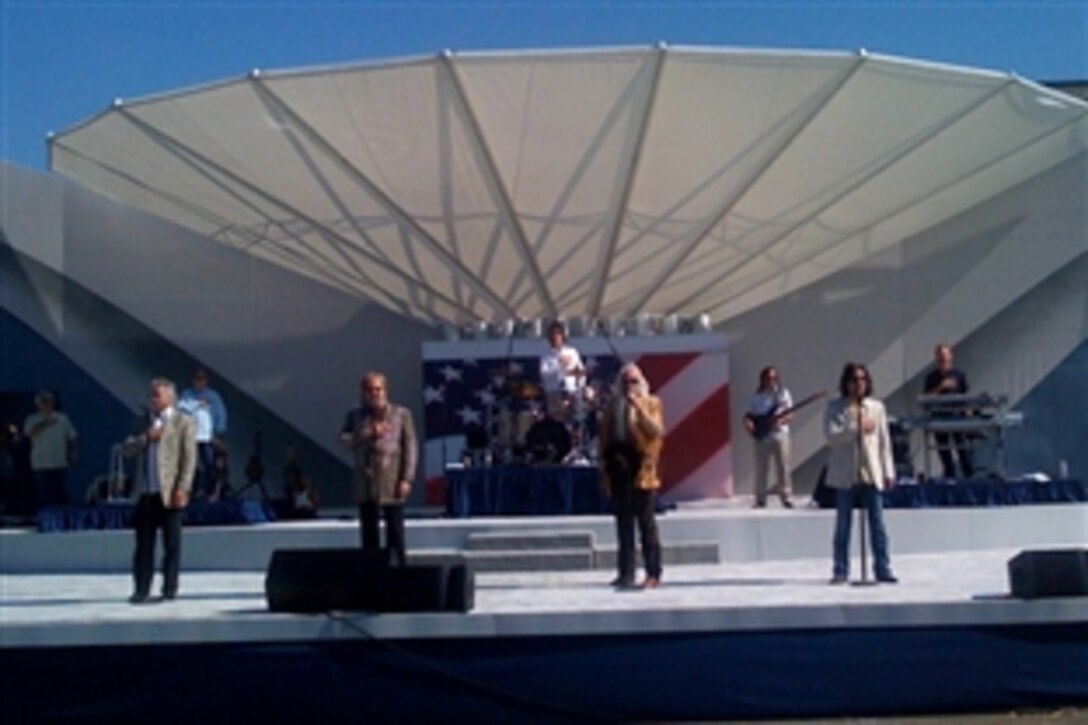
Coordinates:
768 423
210 415
562 374
52 449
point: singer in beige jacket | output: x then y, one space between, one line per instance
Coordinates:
164 446
859 467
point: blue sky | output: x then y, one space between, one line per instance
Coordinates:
62 62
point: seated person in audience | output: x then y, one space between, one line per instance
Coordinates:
302 499
220 474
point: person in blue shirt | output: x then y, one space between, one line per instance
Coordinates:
206 408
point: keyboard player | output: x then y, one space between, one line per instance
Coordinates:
946 379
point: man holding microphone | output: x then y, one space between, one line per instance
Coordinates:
382 438
165 452
859 468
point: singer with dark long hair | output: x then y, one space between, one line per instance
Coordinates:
859 467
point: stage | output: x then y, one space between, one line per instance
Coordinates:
766 639
759 634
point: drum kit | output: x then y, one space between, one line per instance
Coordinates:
530 426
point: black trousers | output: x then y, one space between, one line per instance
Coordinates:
151 515
946 442
394 529
636 505
51 486
204 481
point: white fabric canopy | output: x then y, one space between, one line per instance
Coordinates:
603 182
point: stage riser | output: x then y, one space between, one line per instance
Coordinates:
710 676
741 536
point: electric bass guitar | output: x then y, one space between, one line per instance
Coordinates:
763 425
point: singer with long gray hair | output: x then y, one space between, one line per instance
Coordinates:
631 436
859 467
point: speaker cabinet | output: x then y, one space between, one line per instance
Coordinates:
1049 573
319 580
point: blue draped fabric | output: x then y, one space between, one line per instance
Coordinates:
524 490
119 515
986 493
614 677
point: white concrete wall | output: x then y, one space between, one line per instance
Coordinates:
293 347
1006 282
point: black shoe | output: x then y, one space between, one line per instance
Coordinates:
623 583
760 505
887 578
787 504
139 598
838 579
169 596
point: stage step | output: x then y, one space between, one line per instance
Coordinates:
580 559
535 541
531 560
689 552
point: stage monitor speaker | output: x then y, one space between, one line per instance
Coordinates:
1049 573
320 580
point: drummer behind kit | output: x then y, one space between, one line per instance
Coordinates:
514 417
549 423
524 431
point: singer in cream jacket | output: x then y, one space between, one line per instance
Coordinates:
859 467
849 462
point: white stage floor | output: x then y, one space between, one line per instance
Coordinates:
948 589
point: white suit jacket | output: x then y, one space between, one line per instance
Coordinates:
850 453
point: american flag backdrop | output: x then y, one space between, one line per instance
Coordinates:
466 382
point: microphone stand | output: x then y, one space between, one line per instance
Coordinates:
503 407
865 581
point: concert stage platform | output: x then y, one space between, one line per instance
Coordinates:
760 635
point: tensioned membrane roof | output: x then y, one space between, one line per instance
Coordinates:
482 186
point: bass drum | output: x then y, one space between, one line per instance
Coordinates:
548 442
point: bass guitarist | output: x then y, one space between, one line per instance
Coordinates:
767 421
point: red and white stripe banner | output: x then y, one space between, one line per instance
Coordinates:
690 373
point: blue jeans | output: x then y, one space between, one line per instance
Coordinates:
871 500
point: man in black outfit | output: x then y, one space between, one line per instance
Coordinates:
945 379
